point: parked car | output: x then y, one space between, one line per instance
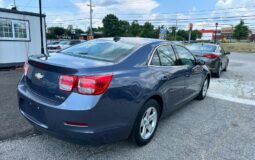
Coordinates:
68 43
53 46
106 90
213 54
62 45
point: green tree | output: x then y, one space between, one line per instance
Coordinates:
124 28
183 34
78 31
195 34
57 31
111 25
147 30
135 29
50 36
241 31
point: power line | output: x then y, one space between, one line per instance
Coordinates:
170 19
191 13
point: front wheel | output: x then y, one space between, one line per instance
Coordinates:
226 68
146 123
203 91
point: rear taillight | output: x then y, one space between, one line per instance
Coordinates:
67 83
25 67
89 85
93 85
211 56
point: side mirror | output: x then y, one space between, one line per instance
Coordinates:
227 53
200 62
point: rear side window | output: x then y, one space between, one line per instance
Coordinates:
155 60
105 50
164 56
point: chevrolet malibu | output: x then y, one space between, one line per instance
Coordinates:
110 89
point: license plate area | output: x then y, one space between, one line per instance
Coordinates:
34 111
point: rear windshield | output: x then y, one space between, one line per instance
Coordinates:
105 50
202 48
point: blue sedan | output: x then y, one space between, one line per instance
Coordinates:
110 89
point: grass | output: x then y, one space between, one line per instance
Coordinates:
239 47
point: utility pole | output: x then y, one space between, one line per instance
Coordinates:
175 33
190 29
41 28
14 5
215 37
232 32
91 11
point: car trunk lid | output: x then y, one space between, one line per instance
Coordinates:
43 74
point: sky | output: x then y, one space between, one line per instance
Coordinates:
203 14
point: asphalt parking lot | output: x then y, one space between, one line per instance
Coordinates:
220 127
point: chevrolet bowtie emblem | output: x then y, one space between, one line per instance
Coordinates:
39 75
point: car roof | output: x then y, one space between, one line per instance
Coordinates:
206 44
137 40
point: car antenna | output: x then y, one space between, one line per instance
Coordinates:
116 38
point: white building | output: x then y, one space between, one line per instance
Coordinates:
19 36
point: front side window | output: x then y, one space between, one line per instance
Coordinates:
185 56
14 29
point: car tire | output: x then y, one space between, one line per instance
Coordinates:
204 89
218 74
225 69
146 123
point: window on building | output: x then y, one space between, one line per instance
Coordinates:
14 29
6 28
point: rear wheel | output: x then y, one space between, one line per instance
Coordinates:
146 123
218 74
203 92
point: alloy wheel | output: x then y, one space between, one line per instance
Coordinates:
205 88
219 72
148 123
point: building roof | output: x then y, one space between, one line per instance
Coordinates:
20 12
209 31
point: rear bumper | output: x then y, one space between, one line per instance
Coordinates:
103 125
81 136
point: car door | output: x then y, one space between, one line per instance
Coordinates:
193 72
169 75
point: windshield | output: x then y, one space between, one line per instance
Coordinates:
53 43
201 48
64 42
106 50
